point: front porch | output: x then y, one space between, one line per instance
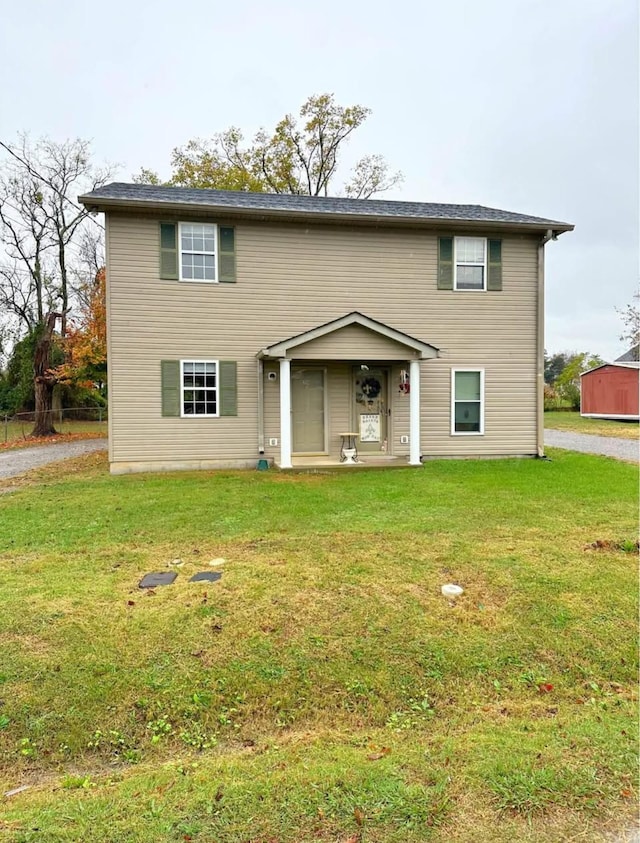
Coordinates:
353 382
309 463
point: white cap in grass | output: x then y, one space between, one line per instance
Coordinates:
451 590
214 563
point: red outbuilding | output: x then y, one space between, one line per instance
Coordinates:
610 391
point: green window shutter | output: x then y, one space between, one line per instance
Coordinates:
227 381
169 251
170 387
445 263
494 274
227 254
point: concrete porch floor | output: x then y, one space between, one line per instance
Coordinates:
327 462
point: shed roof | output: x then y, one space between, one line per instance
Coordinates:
378 211
616 364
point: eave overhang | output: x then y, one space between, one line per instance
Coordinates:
176 210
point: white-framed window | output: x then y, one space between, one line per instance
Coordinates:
467 402
198 251
199 388
470 261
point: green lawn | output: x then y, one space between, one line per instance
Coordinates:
18 432
323 690
573 421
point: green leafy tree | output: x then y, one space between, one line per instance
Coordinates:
568 381
553 366
17 390
300 156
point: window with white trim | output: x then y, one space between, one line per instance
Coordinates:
467 401
470 260
199 384
198 252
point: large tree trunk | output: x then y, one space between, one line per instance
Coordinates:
44 380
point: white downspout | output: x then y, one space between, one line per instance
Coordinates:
260 407
414 412
550 235
285 413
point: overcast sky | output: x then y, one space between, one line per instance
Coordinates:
527 105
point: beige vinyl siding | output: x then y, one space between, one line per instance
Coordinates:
291 278
354 342
340 402
338 397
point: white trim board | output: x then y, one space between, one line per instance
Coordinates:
424 350
612 416
453 431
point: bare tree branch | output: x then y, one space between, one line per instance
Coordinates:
42 231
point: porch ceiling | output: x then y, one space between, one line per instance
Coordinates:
416 349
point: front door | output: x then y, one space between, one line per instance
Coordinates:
371 396
308 410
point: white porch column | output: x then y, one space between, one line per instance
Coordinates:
285 413
414 412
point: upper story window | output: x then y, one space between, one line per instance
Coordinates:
470 263
198 252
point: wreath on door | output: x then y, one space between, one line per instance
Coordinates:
371 388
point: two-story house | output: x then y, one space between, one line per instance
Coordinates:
246 326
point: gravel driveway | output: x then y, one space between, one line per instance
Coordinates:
621 449
13 463
20 460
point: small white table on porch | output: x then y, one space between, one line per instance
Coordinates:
348 448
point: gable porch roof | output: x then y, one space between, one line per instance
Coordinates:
420 349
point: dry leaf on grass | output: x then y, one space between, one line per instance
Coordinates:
376 756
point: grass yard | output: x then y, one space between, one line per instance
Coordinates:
323 689
574 422
17 433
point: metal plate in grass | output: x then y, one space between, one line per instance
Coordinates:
206 576
159 578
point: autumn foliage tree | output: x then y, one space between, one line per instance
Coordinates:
301 155
85 345
41 228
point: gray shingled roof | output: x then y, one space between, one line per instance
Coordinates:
140 194
631 356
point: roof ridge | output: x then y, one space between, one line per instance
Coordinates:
302 196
